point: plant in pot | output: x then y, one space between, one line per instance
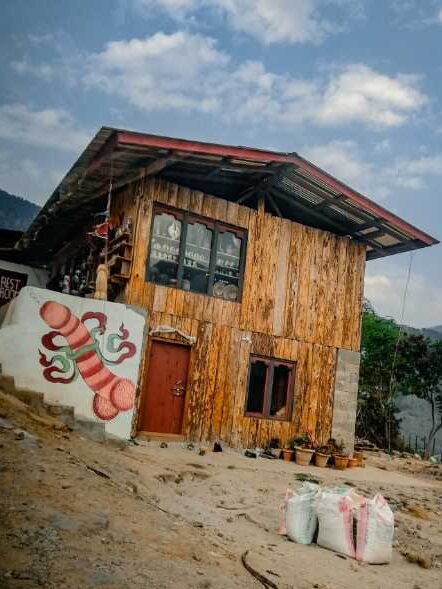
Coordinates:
353 462
287 452
305 448
359 456
340 456
322 455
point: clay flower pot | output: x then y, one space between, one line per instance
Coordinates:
359 456
341 462
287 454
304 456
353 462
321 459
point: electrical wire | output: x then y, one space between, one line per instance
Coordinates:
393 366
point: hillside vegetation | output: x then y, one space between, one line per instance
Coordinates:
16 212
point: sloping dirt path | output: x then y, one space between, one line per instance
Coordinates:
75 513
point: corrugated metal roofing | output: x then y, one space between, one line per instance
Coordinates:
297 189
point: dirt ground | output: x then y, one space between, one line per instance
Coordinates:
80 514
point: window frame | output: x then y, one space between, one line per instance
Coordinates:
270 364
217 227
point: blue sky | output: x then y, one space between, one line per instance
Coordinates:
354 85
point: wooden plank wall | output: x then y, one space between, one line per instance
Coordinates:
218 374
301 301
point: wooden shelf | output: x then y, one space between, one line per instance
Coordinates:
226 275
119 256
218 253
119 277
166 237
115 259
117 247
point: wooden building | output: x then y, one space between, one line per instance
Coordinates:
250 265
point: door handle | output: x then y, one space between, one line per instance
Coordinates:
178 389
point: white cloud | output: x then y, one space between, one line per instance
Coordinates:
52 128
383 146
65 62
160 72
268 21
346 161
43 71
428 164
386 290
47 38
416 14
379 179
360 93
276 21
172 7
341 158
188 72
27 178
413 172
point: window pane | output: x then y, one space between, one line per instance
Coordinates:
165 248
280 398
257 385
227 265
197 258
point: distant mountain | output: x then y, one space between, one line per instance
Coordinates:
431 332
16 212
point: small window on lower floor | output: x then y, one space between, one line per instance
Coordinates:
270 388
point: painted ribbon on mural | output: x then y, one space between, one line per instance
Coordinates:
87 354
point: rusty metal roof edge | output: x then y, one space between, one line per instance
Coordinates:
369 205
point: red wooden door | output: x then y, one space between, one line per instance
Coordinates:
165 388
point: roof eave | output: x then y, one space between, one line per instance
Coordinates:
108 141
126 138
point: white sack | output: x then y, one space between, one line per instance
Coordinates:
300 517
335 517
375 531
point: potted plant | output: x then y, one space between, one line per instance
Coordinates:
305 448
322 455
359 456
287 452
340 456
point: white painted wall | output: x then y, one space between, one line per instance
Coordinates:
20 341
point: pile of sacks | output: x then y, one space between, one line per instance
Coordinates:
340 520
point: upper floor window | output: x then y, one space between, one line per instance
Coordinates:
196 254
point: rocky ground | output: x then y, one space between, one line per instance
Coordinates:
75 513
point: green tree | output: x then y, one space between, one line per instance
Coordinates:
419 369
376 415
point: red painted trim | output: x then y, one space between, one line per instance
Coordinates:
258 155
101 156
364 202
244 153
